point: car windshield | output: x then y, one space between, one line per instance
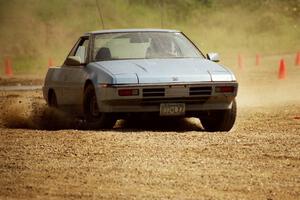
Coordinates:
143 45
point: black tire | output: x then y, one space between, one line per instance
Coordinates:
221 120
95 119
52 100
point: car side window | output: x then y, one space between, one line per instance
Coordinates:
80 49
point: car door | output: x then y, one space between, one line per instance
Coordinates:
74 77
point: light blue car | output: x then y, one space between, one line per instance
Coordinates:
142 73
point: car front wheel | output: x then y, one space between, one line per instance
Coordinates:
220 120
93 117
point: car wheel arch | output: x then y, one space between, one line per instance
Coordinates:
87 83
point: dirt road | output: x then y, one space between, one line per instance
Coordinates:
259 159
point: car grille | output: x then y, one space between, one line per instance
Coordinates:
202 91
153 92
188 100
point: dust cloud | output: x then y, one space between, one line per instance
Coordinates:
26 113
262 95
30 114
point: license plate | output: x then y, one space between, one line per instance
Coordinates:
172 109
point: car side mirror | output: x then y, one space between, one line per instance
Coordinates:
73 61
213 57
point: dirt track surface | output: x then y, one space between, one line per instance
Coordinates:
21 80
259 159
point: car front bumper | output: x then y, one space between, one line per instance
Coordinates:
196 97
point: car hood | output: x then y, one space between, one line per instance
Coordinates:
165 71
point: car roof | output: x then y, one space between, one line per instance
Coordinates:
130 30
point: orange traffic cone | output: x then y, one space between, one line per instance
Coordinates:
8 67
297 62
50 62
240 62
282 70
257 60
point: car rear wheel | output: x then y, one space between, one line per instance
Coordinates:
93 117
221 120
52 101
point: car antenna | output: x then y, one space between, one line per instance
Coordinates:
100 13
162 5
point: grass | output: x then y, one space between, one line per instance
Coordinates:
32 32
